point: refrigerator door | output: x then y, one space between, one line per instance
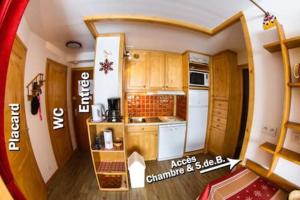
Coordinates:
196 133
198 97
197 120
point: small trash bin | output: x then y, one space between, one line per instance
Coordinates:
136 167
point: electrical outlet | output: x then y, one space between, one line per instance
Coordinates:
297 138
272 131
265 130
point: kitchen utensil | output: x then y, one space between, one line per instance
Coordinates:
113 112
108 139
98 113
118 142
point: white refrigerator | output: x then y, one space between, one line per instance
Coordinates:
197 120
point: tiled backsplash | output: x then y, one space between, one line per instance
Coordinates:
181 106
147 106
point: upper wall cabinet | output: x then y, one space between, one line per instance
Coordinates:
174 76
153 71
156 70
136 71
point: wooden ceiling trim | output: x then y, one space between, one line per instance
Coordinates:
228 22
91 20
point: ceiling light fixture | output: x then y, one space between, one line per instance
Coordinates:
73 45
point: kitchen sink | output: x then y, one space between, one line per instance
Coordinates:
144 119
137 120
152 119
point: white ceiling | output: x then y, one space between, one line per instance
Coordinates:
61 20
162 37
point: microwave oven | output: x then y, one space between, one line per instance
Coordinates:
198 78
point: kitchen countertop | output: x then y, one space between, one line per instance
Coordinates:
164 121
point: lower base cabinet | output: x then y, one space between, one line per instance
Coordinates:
142 139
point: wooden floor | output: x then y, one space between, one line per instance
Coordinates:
76 180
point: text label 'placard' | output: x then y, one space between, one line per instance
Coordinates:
15 128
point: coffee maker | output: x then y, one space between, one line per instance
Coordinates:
113 112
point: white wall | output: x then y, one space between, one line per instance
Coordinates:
107 84
38 50
269 89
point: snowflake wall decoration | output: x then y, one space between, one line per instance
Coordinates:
106 66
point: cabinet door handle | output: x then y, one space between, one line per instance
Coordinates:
144 86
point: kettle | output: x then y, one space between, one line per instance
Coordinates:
98 113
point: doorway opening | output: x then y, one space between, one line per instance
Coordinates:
245 74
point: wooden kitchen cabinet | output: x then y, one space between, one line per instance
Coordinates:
154 71
221 76
174 72
226 109
142 139
136 71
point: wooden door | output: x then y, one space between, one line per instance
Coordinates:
136 71
156 71
80 113
23 164
174 70
57 112
220 76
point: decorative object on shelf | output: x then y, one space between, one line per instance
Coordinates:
269 19
106 65
118 142
296 72
98 142
108 139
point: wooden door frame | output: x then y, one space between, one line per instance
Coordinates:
48 60
73 116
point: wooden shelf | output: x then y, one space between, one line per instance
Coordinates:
293 42
293 125
268 147
111 168
273 47
294 84
116 150
290 155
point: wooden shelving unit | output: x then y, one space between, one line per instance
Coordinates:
293 125
269 147
278 151
290 43
110 165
